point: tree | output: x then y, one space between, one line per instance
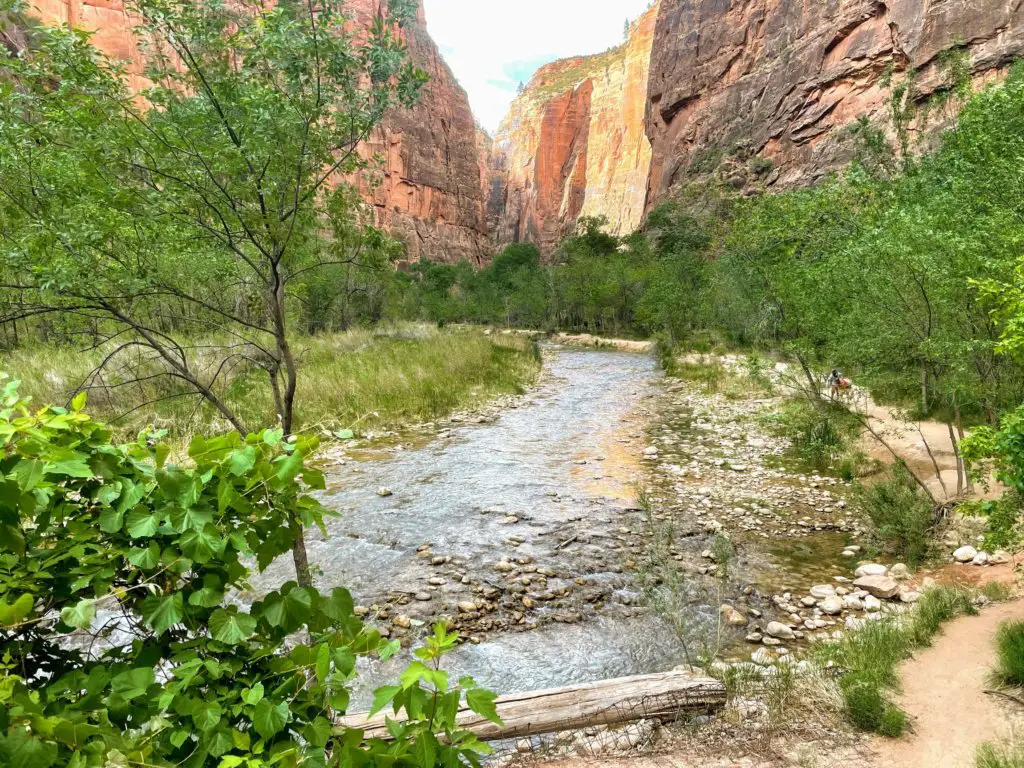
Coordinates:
178 221
121 643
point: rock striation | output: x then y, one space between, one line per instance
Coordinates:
425 182
574 144
762 91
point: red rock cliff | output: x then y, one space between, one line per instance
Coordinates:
574 144
782 79
431 190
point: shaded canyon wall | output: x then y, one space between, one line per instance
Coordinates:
768 88
427 183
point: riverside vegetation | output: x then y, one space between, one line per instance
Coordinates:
197 243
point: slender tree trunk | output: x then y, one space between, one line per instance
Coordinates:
956 455
968 483
935 464
286 362
924 389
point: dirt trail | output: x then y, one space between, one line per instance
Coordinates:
943 691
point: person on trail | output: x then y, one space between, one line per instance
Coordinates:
836 383
834 378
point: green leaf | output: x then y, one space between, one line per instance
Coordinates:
142 523
78 401
72 467
344 434
28 473
206 715
202 546
13 613
290 467
383 696
163 612
133 683
290 610
253 696
80 615
323 662
145 558
210 595
111 520
242 460
231 627
482 702
269 719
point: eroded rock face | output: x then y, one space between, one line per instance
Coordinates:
574 144
764 89
428 186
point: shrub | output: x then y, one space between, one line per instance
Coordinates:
121 643
1010 653
902 516
819 433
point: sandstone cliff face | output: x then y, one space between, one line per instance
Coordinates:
426 186
734 80
574 144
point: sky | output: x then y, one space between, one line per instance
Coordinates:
493 45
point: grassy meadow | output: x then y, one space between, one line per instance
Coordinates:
360 380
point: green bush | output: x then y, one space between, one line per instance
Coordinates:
902 516
820 433
1010 653
147 659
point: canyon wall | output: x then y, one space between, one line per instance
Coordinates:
574 144
761 92
426 185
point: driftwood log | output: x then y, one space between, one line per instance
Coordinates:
662 697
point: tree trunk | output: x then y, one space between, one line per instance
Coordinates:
663 697
956 455
968 483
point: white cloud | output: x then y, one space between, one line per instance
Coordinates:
491 46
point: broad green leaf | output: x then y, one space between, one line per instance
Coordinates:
253 696
344 434
133 683
323 663
29 472
14 613
383 696
142 523
269 719
163 612
482 702
206 715
242 460
231 626
80 615
202 546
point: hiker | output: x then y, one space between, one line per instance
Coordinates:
837 384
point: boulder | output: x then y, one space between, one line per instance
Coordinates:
780 631
981 558
900 572
732 617
832 606
883 587
872 604
870 569
965 554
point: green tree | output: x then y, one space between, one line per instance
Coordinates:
197 206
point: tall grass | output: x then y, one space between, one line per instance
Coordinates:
363 379
1000 756
820 434
1009 668
870 657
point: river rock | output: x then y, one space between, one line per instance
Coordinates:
999 557
910 596
965 554
732 617
853 603
872 604
981 558
833 606
754 637
466 607
870 569
423 597
384 492
883 587
779 630
900 572
403 622
822 591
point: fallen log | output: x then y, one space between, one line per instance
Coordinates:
663 697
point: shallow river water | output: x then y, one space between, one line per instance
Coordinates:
458 494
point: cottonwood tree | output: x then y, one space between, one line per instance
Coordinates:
191 209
